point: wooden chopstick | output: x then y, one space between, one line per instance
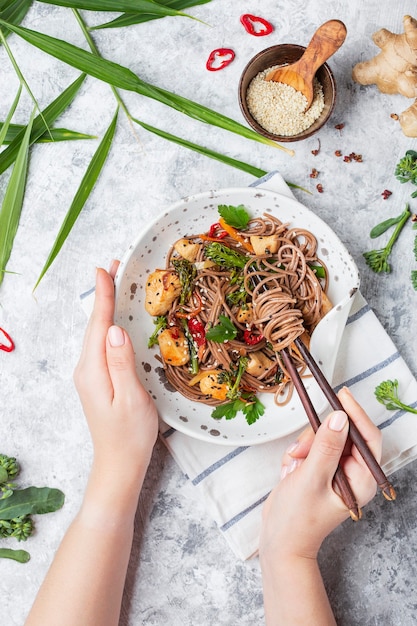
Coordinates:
340 479
354 434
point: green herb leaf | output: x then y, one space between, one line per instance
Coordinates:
21 556
123 78
236 216
228 410
128 19
224 331
81 196
160 323
13 200
253 410
50 114
32 500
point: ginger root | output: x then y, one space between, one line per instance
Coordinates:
394 69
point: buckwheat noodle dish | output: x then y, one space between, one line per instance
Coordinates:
228 301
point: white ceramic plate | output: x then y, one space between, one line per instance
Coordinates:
195 214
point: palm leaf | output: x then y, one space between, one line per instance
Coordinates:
128 19
13 200
123 78
81 196
50 114
132 6
53 135
14 11
245 167
6 124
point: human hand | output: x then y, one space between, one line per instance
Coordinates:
121 415
304 507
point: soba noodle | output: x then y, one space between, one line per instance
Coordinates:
284 292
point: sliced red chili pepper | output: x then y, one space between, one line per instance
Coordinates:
197 331
9 345
251 338
217 235
219 58
256 25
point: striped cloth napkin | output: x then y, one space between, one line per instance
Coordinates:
234 482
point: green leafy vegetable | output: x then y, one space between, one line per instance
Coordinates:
414 279
186 272
387 394
233 378
381 228
160 324
224 256
32 500
83 192
236 216
21 556
223 331
377 260
252 408
406 169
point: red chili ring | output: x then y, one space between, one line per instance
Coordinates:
223 56
250 21
3 346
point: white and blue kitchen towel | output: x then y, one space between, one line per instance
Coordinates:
235 481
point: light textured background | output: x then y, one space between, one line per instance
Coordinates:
181 572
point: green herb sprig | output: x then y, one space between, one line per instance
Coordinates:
387 394
377 260
406 169
225 330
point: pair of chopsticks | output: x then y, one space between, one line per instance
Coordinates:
355 436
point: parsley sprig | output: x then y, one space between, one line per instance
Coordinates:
236 216
225 330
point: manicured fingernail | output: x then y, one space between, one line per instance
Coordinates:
294 464
113 267
284 471
292 447
116 336
338 420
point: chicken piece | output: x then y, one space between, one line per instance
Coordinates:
210 386
162 287
187 249
326 305
265 244
259 363
245 313
174 346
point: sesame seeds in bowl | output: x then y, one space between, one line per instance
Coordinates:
276 110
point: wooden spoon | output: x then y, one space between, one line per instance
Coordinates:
326 41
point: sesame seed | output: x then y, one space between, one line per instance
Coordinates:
279 108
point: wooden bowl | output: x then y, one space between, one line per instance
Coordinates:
284 54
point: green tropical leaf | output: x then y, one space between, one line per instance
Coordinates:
145 6
123 78
6 124
128 19
53 135
32 500
14 11
81 196
50 114
13 200
245 167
